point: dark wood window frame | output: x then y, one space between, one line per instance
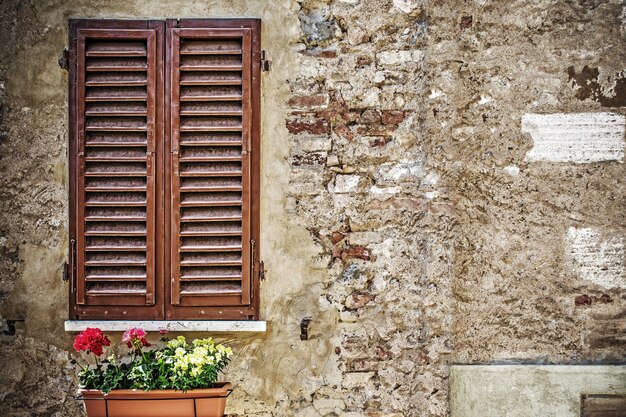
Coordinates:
164 146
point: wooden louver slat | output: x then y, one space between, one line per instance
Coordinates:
116 112
213 91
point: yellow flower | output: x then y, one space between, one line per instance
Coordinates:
178 342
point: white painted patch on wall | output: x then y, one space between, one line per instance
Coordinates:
599 259
575 137
511 170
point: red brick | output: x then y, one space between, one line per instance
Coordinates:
356 252
343 131
320 53
309 101
392 117
316 127
336 237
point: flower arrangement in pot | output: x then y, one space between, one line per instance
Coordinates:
174 379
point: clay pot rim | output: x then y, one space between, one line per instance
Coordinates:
220 390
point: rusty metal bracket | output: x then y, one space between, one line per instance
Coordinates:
64 60
11 327
262 271
304 328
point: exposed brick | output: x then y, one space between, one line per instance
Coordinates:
392 117
336 237
315 127
356 252
343 131
309 101
320 53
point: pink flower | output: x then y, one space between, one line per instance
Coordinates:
135 337
91 340
164 332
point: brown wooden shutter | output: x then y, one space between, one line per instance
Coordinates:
213 95
115 152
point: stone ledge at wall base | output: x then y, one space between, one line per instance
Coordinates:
209 402
530 390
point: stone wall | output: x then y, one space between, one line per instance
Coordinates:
413 203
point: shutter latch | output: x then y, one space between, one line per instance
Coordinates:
64 60
266 65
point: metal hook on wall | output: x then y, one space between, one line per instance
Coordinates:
304 328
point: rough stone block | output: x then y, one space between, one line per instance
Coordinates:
346 184
400 57
407 6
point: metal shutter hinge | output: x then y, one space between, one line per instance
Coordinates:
266 65
66 271
64 60
70 267
262 271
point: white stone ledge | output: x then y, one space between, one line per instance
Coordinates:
173 325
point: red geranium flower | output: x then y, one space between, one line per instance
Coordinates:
135 337
91 340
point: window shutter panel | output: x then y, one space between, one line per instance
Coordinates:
116 117
213 92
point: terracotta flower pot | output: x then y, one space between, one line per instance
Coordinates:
209 402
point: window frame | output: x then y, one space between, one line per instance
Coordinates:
162 307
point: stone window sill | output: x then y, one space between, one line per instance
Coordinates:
173 325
